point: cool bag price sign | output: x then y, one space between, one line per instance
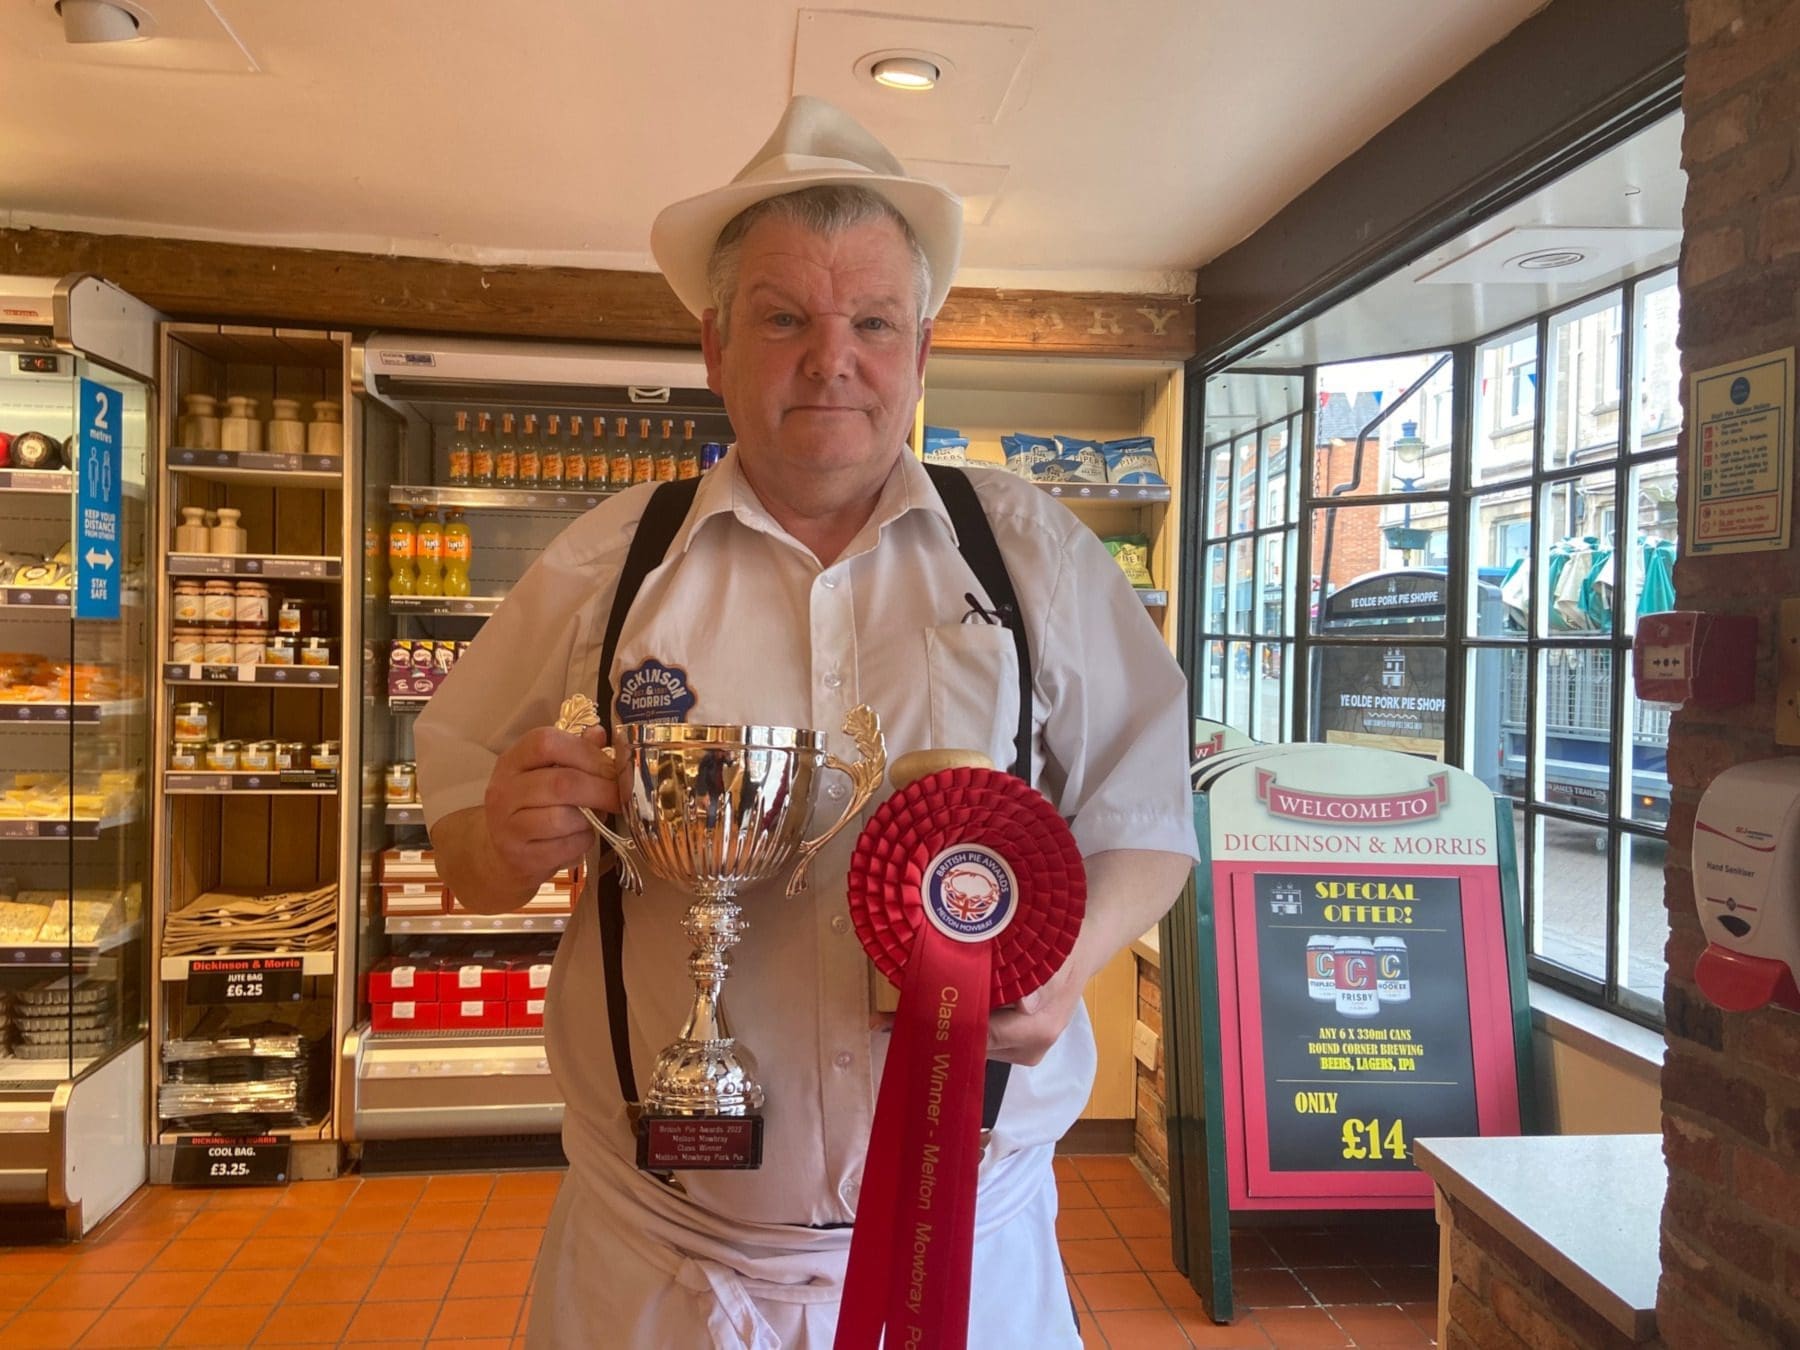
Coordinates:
231 1160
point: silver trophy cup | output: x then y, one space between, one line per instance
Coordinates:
714 811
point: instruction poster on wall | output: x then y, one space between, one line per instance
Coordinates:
1741 444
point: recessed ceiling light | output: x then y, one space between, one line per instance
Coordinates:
1547 259
912 73
87 21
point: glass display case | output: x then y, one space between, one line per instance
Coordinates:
494 449
76 408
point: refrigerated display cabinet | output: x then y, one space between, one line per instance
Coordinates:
76 410
407 1080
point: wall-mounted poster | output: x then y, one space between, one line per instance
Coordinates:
1741 455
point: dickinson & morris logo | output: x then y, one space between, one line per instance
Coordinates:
1393 808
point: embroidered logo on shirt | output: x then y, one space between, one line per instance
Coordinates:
969 893
654 693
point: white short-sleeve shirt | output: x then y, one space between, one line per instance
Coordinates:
763 634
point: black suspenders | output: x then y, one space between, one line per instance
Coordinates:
661 522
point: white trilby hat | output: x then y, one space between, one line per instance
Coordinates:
815 145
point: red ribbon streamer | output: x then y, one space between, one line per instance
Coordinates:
911 1254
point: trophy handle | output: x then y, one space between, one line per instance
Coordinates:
863 725
576 715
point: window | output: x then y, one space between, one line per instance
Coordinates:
1530 540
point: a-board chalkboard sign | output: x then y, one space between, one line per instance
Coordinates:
1346 977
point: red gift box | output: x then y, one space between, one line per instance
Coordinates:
525 1013
528 976
409 977
477 975
406 1016
473 1014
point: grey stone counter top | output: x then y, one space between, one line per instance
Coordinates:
1588 1208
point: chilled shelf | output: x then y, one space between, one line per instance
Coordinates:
283 567
497 499
60 482
418 925
480 605
52 601
224 466
1107 492
311 677
62 955
303 782
63 829
61 714
313 963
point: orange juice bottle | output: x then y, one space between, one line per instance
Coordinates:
619 456
429 551
458 549
403 543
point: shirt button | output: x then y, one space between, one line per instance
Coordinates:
832 679
828 581
840 924
842 1059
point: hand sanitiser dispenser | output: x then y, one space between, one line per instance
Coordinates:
1747 886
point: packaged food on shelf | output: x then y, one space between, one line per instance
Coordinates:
195 723
945 445
464 1014
479 974
224 756
282 649
1132 553
528 976
411 975
1132 462
405 1015
1081 461
51 795
1025 453
402 783
326 757
83 919
525 1014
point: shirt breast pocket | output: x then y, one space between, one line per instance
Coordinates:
972 671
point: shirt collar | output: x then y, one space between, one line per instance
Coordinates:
724 490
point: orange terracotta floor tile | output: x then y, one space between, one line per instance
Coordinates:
448 1260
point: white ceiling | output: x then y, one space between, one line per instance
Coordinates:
1616 216
1111 144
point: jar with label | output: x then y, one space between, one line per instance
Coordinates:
195 723
185 757
224 756
188 607
315 651
258 757
218 604
187 645
220 646
251 602
282 650
290 755
248 645
403 782
291 618
325 757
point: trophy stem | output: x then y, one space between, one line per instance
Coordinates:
705 1072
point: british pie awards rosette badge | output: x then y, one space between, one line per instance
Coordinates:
967 892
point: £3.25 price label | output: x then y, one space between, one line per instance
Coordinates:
1374 1140
231 1160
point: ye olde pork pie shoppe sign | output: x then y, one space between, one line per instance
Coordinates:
1364 976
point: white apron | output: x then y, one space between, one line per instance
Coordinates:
627 1264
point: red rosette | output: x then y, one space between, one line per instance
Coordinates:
992 810
1007 896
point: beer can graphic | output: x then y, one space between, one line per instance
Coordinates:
1320 986
1393 970
1353 978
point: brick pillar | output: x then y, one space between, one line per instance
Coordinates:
1731 1084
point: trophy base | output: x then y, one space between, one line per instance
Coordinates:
668 1143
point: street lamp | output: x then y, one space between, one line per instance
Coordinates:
1408 450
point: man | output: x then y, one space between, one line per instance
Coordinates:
817 569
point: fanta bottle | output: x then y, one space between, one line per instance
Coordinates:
458 548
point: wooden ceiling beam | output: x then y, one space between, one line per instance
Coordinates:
193 279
